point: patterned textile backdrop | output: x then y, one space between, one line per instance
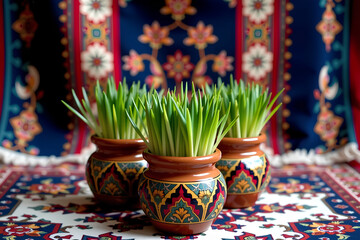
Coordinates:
50 47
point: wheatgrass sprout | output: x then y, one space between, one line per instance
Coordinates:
177 126
111 120
251 102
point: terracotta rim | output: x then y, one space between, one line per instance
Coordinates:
126 143
208 159
251 140
118 149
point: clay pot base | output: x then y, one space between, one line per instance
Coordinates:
241 200
191 189
182 229
116 164
115 202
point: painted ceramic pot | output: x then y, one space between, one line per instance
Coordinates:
182 195
114 169
245 168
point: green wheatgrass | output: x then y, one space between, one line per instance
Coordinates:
251 102
111 120
177 126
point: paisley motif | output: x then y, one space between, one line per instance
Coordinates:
248 175
114 178
182 203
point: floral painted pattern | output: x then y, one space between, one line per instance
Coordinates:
99 22
329 27
158 195
29 230
178 66
258 10
258 33
97 61
26 125
200 36
178 9
26 25
293 186
328 124
49 188
133 63
333 228
74 214
96 48
222 63
96 11
156 35
98 33
180 201
257 62
205 195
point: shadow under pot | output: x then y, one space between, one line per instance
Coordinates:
113 171
182 195
245 168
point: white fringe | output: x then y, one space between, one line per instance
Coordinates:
346 153
10 157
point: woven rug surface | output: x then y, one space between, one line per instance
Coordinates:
301 202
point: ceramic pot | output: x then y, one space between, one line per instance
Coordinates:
182 195
114 169
245 168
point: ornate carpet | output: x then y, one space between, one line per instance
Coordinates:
301 202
